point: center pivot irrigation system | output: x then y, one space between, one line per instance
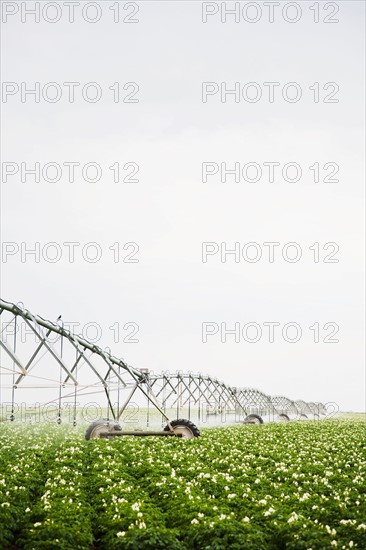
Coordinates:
43 358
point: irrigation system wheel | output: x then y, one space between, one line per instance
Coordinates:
184 428
98 427
253 419
283 418
303 416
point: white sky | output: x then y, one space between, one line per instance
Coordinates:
170 212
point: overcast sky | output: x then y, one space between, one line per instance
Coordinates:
169 212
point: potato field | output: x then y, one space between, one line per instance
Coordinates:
297 485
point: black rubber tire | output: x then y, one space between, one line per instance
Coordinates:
303 416
283 418
110 425
182 422
253 419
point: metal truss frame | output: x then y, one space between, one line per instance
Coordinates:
188 391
